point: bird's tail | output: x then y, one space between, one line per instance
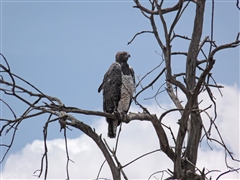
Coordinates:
112 127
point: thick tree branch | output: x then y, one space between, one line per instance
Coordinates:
97 139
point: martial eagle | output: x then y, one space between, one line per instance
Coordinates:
118 87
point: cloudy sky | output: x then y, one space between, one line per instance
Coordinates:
64 49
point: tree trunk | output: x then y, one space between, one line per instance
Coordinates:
193 141
195 118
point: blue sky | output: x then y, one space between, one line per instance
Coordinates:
64 48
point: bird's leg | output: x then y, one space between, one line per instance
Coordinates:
121 115
124 116
117 112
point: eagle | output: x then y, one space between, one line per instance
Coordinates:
118 86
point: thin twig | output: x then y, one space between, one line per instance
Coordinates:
100 169
137 35
140 157
226 172
151 83
67 153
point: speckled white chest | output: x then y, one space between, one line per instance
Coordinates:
127 90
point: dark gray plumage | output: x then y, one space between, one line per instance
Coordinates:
118 87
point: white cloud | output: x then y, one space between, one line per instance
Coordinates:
136 139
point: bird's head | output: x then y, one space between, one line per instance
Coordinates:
122 56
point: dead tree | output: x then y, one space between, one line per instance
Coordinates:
193 85
183 158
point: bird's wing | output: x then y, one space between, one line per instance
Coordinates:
111 86
113 73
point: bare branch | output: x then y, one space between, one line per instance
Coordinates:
179 53
101 168
45 156
140 157
159 172
9 109
148 74
137 35
179 36
211 62
149 85
212 20
67 154
164 11
225 46
229 171
97 139
177 17
174 97
237 4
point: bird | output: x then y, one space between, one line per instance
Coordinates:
118 87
